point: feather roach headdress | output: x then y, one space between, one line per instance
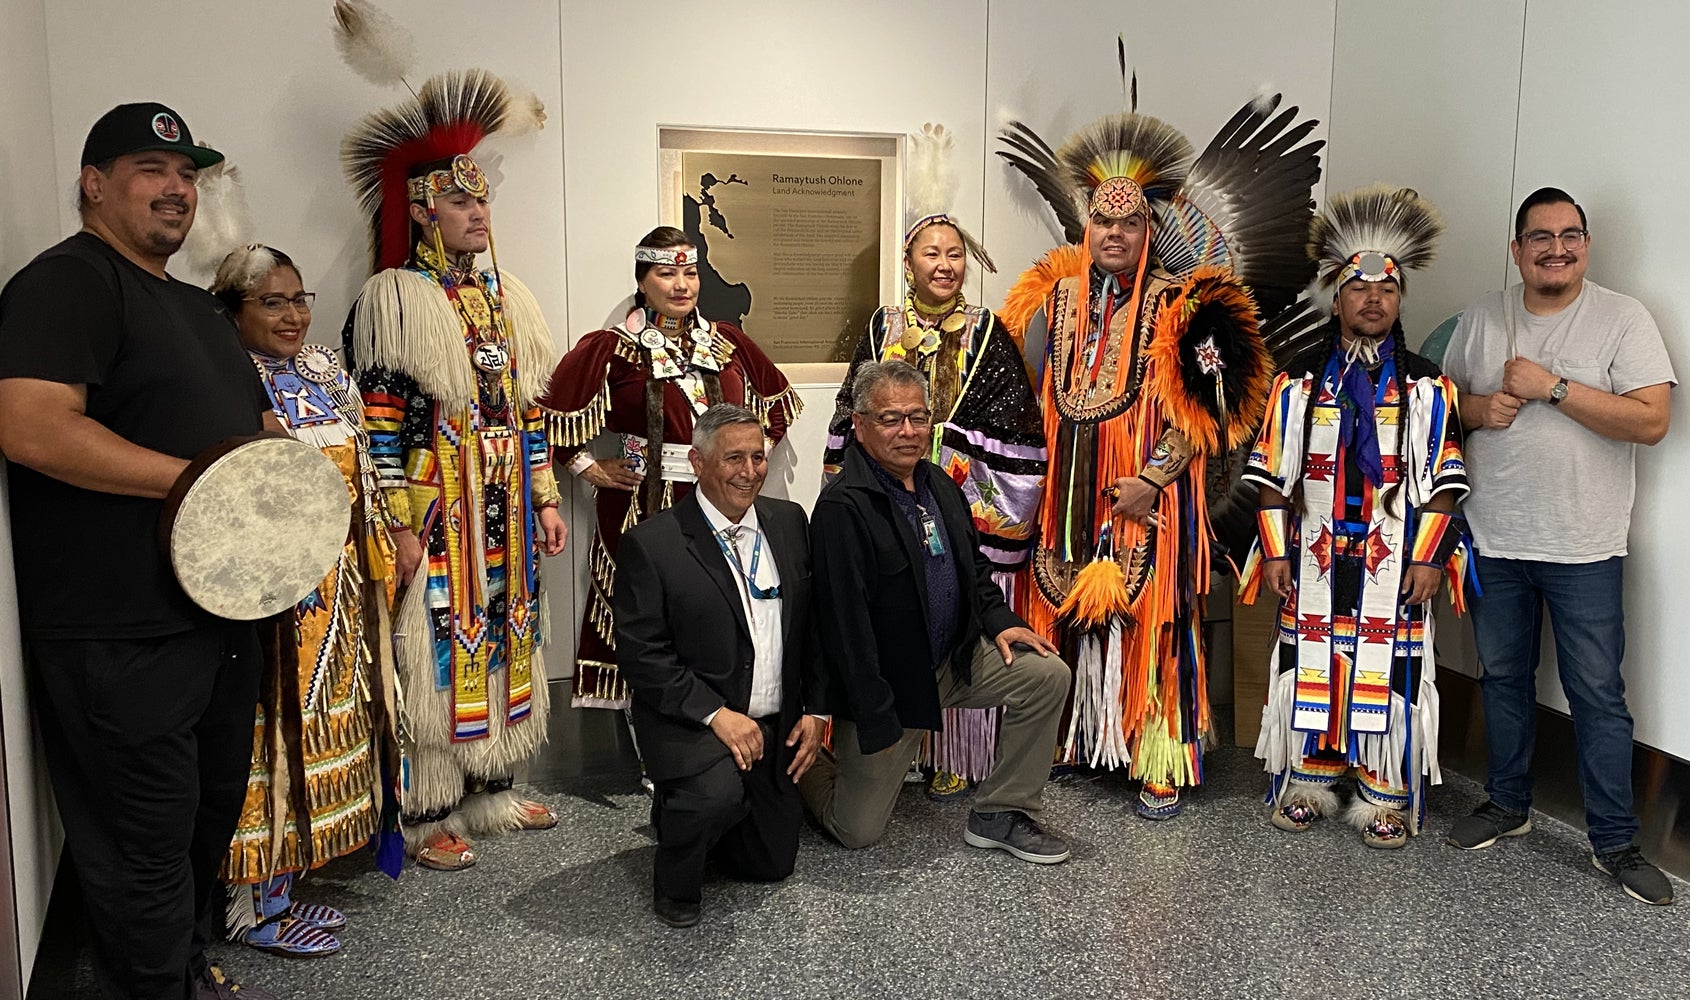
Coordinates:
1120 164
930 184
1373 233
395 156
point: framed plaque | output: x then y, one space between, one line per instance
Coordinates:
797 234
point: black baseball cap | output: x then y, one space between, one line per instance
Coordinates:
141 128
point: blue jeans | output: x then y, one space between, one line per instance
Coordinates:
1587 616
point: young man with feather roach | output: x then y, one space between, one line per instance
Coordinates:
1359 469
452 360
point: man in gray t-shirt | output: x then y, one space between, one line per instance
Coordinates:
1563 379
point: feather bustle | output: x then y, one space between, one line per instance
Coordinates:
1037 162
1251 186
1031 290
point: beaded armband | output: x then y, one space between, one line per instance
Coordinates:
1435 538
396 508
1273 524
1167 460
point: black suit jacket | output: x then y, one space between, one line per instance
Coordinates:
871 600
682 641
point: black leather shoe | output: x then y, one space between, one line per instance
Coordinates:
675 912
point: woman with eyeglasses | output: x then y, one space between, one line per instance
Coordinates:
324 749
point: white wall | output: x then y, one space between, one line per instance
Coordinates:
1598 118
29 222
1431 105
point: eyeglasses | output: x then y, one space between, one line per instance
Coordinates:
920 420
1539 240
275 305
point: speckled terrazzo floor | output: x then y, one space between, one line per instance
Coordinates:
1216 904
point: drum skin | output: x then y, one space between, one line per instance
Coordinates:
255 524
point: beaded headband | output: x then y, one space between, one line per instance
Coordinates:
463 175
1370 265
1118 198
940 218
678 256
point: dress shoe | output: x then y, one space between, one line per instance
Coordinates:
675 912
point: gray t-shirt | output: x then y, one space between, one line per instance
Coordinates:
1548 488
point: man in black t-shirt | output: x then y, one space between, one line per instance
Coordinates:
112 377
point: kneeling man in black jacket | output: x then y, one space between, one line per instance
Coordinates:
911 622
714 637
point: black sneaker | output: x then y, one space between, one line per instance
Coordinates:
1488 824
1014 832
1641 880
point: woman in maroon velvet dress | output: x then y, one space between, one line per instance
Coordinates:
643 381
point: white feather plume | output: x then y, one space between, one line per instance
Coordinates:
244 268
375 46
222 222
931 178
930 184
527 113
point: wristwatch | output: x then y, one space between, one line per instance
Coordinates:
1558 392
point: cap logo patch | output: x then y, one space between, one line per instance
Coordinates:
165 127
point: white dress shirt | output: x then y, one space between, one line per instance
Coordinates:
763 615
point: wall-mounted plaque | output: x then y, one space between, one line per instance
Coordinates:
792 244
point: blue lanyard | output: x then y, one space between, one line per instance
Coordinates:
757 593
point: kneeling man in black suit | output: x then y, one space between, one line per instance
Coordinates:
713 635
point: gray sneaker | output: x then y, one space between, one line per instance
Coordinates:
1641 880
1014 832
1488 824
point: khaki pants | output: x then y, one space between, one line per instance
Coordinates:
851 795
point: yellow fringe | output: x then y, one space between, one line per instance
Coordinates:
576 428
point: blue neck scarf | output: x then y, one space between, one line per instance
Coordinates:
1347 372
